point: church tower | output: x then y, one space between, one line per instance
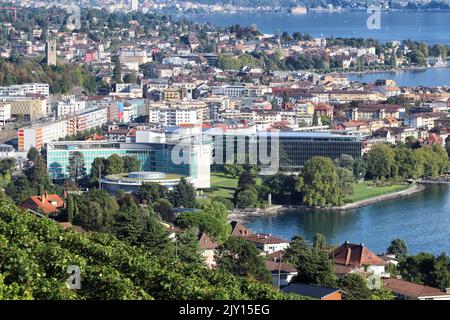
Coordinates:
50 52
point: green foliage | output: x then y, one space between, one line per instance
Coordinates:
212 219
319 241
95 210
151 192
233 170
131 164
240 257
115 164
313 265
319 182
36 253
76 167
399 248
32 154
183 195
98 168
381 162
61 78
355 287
424 268
246 198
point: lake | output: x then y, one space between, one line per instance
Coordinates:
429 26
430 77
421 219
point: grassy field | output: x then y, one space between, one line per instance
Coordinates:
222 185
366 190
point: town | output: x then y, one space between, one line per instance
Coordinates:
135 133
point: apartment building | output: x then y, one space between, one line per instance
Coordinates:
40 134
24 89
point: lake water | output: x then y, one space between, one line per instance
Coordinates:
421 219
431 77
431 27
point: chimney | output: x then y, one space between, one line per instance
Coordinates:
349 254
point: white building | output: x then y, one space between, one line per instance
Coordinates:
5 112
24 89
69 106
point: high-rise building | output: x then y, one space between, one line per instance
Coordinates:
134 5
50 52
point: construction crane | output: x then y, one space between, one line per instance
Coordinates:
13 9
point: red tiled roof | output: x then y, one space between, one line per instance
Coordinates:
411 289
355 255
275 266
264 238
48 203
238 229
206 242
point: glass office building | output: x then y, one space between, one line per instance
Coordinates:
155 157
294 148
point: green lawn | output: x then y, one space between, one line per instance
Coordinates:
223 185
366 190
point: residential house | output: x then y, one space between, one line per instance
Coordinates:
317 292
357 258
267 242
405 290
208 247
47 203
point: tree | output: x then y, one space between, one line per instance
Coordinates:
233 170
130 77
70 208
98 169
399 248
154 237
115 165
381 162
19 189
131 164
313 264
319 183
246 179
440 274
240 257
319 241
246 198
151 192
38 172
409 163
183 195
117 72
76 167
346 181
128 225
187 248
355 287
165 210
32 154
212 219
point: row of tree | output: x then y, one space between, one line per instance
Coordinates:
324 182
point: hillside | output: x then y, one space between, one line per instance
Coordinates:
35 254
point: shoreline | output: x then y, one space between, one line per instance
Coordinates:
242 215
393 70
